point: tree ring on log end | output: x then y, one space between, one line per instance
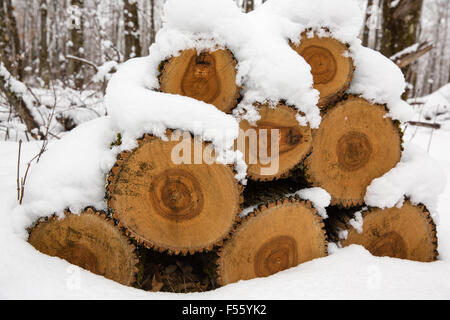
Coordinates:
277 254
353 150
331 66
355 143
180 192
405 233
208 76
80 255
90 241
323 65
275 237
255 142
390 244
200 80
183 208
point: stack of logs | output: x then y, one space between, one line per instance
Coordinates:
184 209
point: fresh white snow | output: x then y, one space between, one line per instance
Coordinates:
319 198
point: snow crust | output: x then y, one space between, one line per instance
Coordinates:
70 175
416 176
319 198
268 69
434 107
379 80
357 222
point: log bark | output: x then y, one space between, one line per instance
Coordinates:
90 241
276 145
405 233
331 67
182 208
205 76
354 144
275 237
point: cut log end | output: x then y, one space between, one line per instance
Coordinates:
275 237
331 66
275 145
181 208
205 76
355 144
90 241
406 233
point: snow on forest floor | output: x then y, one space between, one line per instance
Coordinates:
349 273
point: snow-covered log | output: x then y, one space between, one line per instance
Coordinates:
331 64
406 232
355 144
276 145
205 76
89 240
170 195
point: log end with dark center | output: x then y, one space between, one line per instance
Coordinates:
208 76
355 143
276 145
405 233
275 237
90 241
331 65
182 207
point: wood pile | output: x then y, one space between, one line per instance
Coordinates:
187 209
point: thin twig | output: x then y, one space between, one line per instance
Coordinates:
24 179
18 169
89 63
432 130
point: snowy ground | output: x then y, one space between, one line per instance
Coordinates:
348 273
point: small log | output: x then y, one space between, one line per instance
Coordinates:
331 66
206 76
182 208
354 144
405 233
407 57
275 237
425 124
291 147
90 241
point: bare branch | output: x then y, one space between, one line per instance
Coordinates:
405 59
87 62
425 124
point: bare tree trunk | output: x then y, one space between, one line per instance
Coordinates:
367 23
4 41
444 43
44 70
249 5
76 49
10 42
132 39
152 22
401 23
